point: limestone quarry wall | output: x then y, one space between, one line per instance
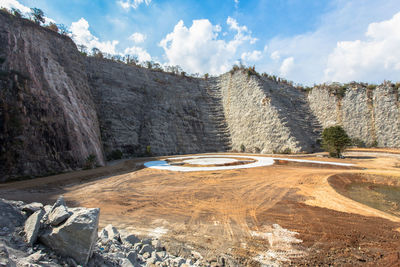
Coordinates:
265 116
370 115
48 121
138 107
57 107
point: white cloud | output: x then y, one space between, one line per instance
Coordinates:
376 58
127 4
275 55
138 37
82 36
287 66
26 11
251 56
141 53
243 34
198 48
347 20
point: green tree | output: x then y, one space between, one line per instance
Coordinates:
16 12
335 140
37 15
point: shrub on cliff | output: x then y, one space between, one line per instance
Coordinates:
37 15
335 140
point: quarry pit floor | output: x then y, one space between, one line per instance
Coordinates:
289 213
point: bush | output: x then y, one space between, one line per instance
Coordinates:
115 155
52 26
90 162
358 142
148 151
335 140
242 148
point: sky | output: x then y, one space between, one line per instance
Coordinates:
306 41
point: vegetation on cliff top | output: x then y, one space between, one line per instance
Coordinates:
338 89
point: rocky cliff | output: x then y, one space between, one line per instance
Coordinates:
138 108
371 115
57 107
48 121
266 116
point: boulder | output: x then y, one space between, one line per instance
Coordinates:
58 215
76 237
10 216
32 207
32 226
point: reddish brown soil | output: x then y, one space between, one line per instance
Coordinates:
217 212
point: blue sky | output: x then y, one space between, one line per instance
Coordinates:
307 41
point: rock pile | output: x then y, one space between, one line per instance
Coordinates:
37 235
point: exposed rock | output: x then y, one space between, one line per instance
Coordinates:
10 216
36 257
4 256
58 215
129 238
76 237
59 202
32 207
109 233
146 248
32 226
48 120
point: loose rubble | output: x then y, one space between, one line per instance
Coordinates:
37 235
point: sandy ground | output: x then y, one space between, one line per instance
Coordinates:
286 213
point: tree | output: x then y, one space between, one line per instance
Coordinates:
83 49
97 53
16 12
335 140
63 29
52 26
37 15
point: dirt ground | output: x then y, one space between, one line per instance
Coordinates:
287 213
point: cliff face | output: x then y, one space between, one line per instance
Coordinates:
267 117
369 115
139 108
48 121
58 107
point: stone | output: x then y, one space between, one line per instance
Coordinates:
36 257
146 248
156 243
59 202
146 255
4 256
126 263
47 210
10 216
32 207
58 215
76 237
132 257
109 233
32 226
130 239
